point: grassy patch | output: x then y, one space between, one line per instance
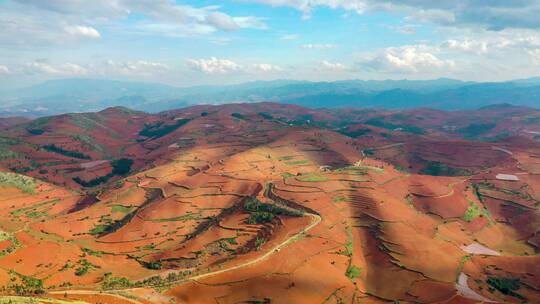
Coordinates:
287 175
98 229
353 272
352 170
472 212
23 183
339 199
312 178
286 157
121 209
298 163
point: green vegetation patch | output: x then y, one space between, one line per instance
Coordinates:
298 163
506 286
23 183
58 150
84 267
121 209
238 116
473 212
355 133
353 272
352 170
120 167
26 285
160 129
473 131
287 175
98 229
261 213
88 142
436 168
266 115
312 178
5 236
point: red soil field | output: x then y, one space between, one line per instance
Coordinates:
270 203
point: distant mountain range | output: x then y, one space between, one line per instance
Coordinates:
83 95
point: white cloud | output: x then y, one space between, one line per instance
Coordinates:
493 15
132 68
4 69
66 69
290 37
405 29
83 31
333 66
214 65
407 59
307 6
535 56
318 46
265 67
467 45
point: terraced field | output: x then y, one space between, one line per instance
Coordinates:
232 206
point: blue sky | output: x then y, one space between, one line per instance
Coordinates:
220 42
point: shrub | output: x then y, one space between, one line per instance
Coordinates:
260 217
159 129
35 131
23 183
238 116
353 272
75 154
506 286
435 168
122 166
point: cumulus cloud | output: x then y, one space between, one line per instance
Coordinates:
333 66
4 69
406 59
265 67
161 13
82 31
214 65
132 68
66 69
467 45
318 46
